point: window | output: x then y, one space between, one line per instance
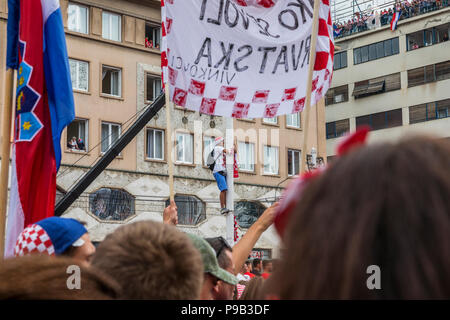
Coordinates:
111 26
155 144
79 73
112 81
78 18
293 162
443 109
77 133
110 134
382 120
153 87
429 111
185 147
273 120
376 51
247 212
340 60
112 204
293 120
337 129
246 152
430 73
427 37
152 36
208 144
270 160
191 210
377 85
337 95
442 70
330 159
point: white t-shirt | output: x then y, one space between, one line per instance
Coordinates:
218 156
243 277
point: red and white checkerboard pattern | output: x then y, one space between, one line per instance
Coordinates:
225 101
33 239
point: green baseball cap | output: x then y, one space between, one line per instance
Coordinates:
210 263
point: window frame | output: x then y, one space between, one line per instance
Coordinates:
86 135
340 55
331 95
334 131
163 142
251 158
177 161
299 121
112 14
383 114
424 71
154 26
359 53
269 122
277 160
110 143
88 75
110 95
201 217
205 155
155 77
293 162
87 17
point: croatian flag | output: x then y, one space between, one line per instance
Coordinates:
394 20
44 107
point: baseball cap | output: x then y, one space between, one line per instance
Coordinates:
52 236
210 263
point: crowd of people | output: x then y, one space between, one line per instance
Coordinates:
384 204
407 9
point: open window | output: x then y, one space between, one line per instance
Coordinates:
152 36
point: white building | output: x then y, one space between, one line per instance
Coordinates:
397 82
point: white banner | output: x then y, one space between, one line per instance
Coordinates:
225 58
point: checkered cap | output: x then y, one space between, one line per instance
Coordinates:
33 239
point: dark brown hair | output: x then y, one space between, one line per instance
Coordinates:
386 205
253 289
151 260
220 246
36 277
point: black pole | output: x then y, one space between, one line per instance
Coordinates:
109 156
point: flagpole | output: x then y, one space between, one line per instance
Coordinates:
6 149
312 59
169 142
229 139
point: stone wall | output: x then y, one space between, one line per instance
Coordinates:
151 192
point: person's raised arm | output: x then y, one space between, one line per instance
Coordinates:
170 214
243 248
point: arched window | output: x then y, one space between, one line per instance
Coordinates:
112 204
247 212
191 210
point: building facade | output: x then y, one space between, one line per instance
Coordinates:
396 82
114 58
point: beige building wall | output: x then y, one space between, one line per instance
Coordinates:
146 179
403 98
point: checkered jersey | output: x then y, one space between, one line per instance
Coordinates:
33 239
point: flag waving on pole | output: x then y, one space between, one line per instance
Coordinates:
394 20
244 58
44 107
